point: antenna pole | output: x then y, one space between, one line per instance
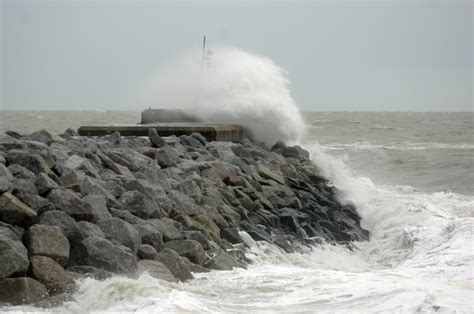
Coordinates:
203 51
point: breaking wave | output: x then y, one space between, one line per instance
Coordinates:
229 86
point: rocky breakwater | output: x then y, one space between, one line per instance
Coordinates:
74 206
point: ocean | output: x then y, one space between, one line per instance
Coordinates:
411 176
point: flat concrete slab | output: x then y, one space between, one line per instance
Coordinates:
212 132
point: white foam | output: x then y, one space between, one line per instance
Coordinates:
234 87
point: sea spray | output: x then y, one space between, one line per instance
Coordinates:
232 86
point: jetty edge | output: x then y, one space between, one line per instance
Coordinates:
77 206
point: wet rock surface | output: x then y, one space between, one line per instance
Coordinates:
94 207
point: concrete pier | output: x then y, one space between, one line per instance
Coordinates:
212 132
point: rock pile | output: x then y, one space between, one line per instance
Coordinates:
74 206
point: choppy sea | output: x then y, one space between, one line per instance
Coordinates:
411 176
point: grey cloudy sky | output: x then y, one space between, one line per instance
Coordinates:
340 55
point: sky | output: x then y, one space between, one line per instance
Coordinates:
339 55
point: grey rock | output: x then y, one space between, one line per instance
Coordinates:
99 204
51 275
44 183
156 270
21 172
73 205
187 140
21 290
266 173
141 205
24 186
33 162
146 251
150 234
68 225
296 152
47 241
231 235
75 162
155 139
6 184
126 216
117 230
197 236
199 137
167 157
167 229
104 254
221 260
14 211
188 248
90 230
191 189
12 232
38 203
175 264
13 254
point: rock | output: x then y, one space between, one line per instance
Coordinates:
175 264
199 137
231 235
141 205
117 230
51 275
197 236
21 172
45 184
47 241
5 172
73 205
68 225
191 189
150 235
21 290
194 268
190 141
14 211
38 203
156 270
155 139
13 254
33 162
75 162
146 251
6 184
167 229
221 260
70 132
90 230
89 271
279 147
127 216
24 186
266 173
72 179
103 254
99 205
296 152
12 232
188 248
44 136
167 157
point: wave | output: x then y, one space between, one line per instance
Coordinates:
406 146
233 86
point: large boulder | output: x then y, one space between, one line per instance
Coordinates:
175 264
21 290
13 254
99 205
103 254
70 203
155 139
68 225
167 228
167 157
44 183
156 270
48 241
146 251
150 235
190 189
90 271
117 230
51 275
140 205
221 260
14 211
33 162
189 248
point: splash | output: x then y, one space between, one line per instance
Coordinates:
230 86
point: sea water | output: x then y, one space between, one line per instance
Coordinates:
410 176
